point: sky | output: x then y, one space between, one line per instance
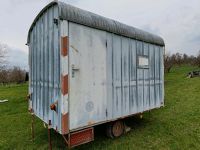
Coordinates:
176 21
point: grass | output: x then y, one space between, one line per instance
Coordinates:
176 126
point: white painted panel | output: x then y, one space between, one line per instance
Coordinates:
162 74
125 76
117 77
152 75
64 67
133 78
109 77
146 79
140 79
157 76
87 57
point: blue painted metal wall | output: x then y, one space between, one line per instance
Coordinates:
119 86
44 64
134 89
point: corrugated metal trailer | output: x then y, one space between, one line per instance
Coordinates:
87 70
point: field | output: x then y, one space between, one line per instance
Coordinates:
176 126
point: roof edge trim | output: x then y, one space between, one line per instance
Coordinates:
79 16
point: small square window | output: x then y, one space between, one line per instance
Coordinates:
143 62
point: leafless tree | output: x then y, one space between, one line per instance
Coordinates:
192 60
3 54
197 62
17 75
168 62
4 76
178 58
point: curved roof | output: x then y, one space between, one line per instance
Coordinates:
77 15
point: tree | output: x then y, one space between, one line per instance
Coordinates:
3 52
4 76
185 58
197 62
168 62
177 59
17 75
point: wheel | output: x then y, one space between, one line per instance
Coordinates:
109 131
115 129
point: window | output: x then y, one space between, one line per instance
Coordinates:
143 62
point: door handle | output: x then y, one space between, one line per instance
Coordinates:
74 69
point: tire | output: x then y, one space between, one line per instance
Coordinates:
109 131
115 129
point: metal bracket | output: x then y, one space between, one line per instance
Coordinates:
67 140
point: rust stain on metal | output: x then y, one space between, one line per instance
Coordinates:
53 105
91 122
28 96
64 87
65 121
65 44
30 110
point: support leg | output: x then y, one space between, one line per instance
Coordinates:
69 146
49 135
32 126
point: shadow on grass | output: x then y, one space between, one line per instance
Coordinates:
101 140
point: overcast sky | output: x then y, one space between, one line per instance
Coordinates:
177 21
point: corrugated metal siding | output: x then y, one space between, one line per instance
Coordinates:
133 77
146 79
135 89
140 77
117 76
130 88
45 66
107 82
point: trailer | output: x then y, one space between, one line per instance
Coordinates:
87 70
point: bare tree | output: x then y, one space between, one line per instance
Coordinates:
168 62
4 76
178 58
3 53
17 75
192 60
197 62
185 58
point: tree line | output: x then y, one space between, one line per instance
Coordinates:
10 74
179 59
13 75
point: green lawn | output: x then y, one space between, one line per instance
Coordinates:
176 126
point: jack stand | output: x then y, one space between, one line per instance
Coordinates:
32 126
49 135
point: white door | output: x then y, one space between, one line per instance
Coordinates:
87 68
